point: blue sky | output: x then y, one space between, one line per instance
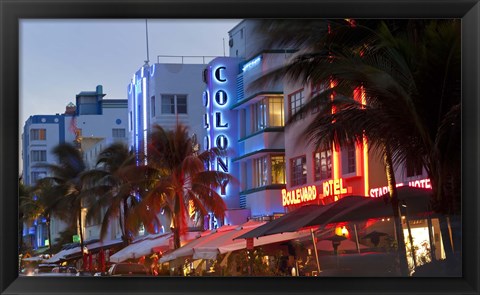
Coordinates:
60 58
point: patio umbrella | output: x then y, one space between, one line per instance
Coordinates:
346 245
374 237
336 241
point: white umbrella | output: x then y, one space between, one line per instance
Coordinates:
187 250
33 259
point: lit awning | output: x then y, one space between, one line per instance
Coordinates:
414 201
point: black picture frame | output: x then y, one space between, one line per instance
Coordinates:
11 11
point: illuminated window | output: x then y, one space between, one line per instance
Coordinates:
267 113
118 132
414 169
278 169
260 166
38 134
323 165
299 170
39 156
275 112
295 102
174 104
348 159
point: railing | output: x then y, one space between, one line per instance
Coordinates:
182 58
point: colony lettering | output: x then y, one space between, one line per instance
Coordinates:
220 124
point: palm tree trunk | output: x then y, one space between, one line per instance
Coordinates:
81 233
49 233
402 253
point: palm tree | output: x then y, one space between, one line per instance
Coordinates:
65 195
28 209
177 177
410 76
113 182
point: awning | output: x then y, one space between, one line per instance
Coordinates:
223 240
187 250
415 202
72 250
149 245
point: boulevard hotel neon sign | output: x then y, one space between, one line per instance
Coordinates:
332 187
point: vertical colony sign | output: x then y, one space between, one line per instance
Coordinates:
219 120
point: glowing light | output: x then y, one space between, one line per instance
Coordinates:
300 195
420 183
251 64
152 71
334 187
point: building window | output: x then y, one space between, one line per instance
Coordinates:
152 106
267 113
38 134
259 116
278 169
118 132
37 175
276 117
295 102
299 170
348 159
174 104
323 165
260 171
39 156
414 169
181 104
316 90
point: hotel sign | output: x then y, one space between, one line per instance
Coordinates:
299 196
420 183
218 118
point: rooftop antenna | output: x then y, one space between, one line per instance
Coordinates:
223 46
146 38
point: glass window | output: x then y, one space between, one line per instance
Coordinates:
260 171
323 165
118 132
276 117
267 113
168 104
38 134
152 106
259 116
39 156
348 159
278 169
295 101
181 104
172 102
317 89
299 170
414 169
36 175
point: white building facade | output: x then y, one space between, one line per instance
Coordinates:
92 123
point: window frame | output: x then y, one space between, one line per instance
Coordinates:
294 173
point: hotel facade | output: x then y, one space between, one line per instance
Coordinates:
92 123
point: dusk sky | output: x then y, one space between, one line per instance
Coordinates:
61 58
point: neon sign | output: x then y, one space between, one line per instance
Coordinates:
420 183
251 64
216 121
334 187
298 196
